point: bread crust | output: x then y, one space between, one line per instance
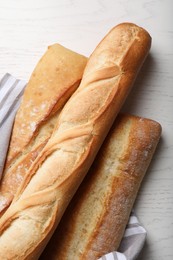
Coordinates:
56 76
82 126
95 220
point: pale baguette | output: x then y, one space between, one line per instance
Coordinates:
55 78
57 172
95 220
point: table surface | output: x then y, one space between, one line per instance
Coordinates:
28 27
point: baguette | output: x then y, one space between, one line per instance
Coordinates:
84 122
95 220
55 78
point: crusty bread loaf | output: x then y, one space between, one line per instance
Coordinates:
94 222
55 78
84 122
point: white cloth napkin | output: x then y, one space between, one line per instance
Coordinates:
11 91
132 242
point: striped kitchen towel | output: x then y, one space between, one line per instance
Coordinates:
11 91
132 242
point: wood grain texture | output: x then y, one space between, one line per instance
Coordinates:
28 27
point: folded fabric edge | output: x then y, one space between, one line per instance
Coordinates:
11 91
132 242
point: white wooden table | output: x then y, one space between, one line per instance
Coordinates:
28 27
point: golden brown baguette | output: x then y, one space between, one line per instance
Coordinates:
55 78
82 126
95 220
